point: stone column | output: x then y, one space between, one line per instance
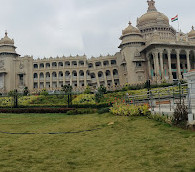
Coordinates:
71 78
162 66
64 78
149 68
78 78
169 65
188 59
97 79
105 79
190 76
113 84
38 80
85 78
44 85
178 64
154 70
51 81
57 80
157 68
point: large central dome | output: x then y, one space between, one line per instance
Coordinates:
152 18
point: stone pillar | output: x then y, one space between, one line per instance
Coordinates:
44 80
190 76
188 59
78 78
149 68
38 80
51 81
169 65
178 64
64 81
157 68
97 79
85 78
162 66
105 79
71 78
57 80
113 84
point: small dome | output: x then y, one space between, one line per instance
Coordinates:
6 40
191 34
130 30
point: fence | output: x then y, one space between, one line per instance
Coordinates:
166 98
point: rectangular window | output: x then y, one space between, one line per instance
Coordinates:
138 64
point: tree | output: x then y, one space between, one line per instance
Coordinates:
26 91
68 90
99 95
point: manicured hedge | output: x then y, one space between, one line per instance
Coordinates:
35 110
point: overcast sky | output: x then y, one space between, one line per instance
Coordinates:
45 28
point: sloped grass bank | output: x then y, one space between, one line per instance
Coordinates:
130 144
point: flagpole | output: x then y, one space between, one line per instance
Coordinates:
178 24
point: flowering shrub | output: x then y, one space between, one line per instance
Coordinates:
84 99
123 109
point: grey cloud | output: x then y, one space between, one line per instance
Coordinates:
56 27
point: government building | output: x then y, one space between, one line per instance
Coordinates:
152 50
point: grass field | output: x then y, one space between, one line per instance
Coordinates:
131 144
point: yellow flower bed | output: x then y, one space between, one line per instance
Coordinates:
24 100
123 109
84 99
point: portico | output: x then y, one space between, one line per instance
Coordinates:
169 63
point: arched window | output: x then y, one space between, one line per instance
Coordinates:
81 63
60 64
74 73
113 62
67 74
115 72
97 64
54 75
60 74
74 63
35 75
67 63
108 73
106 63
41 65
41 75
90 65
81 73
92 75
35 66
47 75
47 65
54 64
100 74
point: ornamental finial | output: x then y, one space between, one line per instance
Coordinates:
5 32
151 5
192 27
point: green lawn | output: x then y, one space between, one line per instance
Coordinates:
131 144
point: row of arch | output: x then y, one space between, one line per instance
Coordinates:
73 63
81 73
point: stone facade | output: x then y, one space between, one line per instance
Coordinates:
152 50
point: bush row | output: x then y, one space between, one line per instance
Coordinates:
93 106
35 110
81 111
